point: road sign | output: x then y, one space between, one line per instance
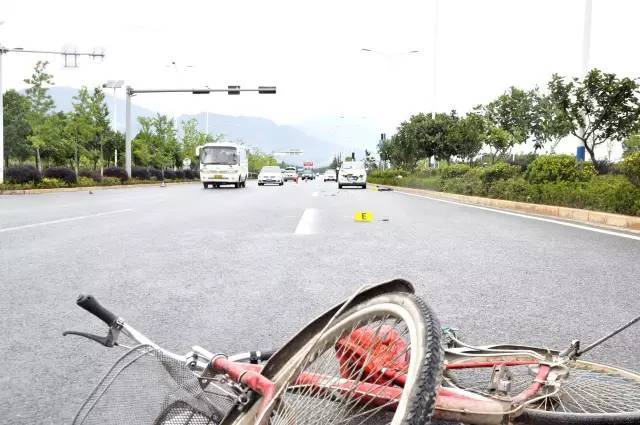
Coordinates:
363 216
186 163
308 164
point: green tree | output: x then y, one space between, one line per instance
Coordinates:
40 106
467 136
99 116
114 141
600 107
80 129
549 123
16 127
631 145
512 112
192 137
156 144
259 159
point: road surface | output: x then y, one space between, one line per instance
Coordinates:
238 269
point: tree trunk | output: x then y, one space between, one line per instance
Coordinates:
591 153
76 161
38 160
101 160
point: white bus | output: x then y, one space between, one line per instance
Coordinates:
223 163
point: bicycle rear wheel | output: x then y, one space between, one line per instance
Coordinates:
378 362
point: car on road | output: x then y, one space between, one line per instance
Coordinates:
308 175
290 173
352 173
223 163
270 175
329 175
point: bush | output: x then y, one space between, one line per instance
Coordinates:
21 174
92 174
86 181
140 173
553 168
169 174
178 174
65 174
51 183
111 181
155 173
191 174
117 172
516 189
498 171
522 160
469 184
603 166
631 168
454 170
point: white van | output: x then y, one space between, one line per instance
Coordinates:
223 163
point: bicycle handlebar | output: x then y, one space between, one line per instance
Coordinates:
89 303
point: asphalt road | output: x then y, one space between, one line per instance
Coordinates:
239 269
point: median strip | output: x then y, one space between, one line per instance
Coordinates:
501 207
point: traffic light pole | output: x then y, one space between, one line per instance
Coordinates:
231 90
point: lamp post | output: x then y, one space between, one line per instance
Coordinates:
114 84
130 92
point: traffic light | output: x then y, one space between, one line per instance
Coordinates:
353 156
230 90
267 90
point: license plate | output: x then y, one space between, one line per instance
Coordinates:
218 176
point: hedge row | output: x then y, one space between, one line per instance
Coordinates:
550 179
28 175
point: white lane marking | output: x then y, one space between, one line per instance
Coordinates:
315 194
530 217
63 220
307 223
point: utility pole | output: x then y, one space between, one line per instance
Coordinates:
230 90
70 61
586 50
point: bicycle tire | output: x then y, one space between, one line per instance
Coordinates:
614 389
417 401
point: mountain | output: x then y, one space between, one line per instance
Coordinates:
256 132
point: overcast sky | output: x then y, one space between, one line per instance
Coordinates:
311 51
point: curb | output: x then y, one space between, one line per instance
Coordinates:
84 188
621 221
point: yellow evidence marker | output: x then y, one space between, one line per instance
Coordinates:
364 216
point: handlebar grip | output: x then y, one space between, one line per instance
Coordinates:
266 355
92 305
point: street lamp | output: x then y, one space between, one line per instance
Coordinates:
130 91
114 84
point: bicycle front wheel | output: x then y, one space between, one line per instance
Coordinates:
592 394
378 362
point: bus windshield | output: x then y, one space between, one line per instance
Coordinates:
223 155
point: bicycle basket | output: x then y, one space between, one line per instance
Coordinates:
146 387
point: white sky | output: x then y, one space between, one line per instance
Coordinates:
311 51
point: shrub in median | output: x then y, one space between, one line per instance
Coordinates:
454 170
189 174
51 183
117 172
110 181
553 168
92 174
155 173
140 173
21 174
498 171
64 174
631 168
86 181
169 174
178 174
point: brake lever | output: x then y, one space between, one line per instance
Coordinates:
108 341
